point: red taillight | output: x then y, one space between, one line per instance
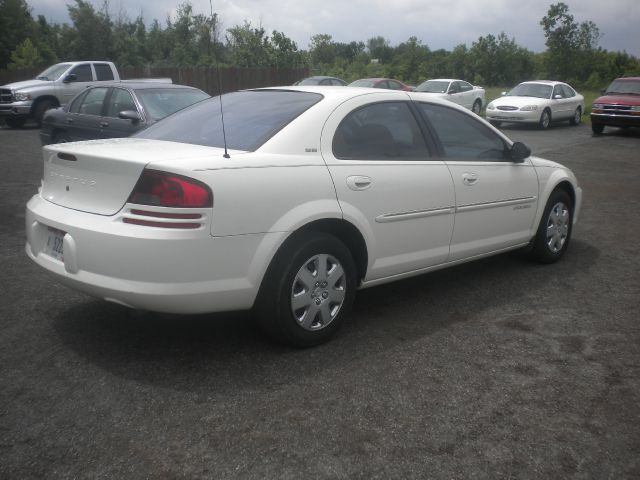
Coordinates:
170 190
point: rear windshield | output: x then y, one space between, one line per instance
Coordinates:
251 117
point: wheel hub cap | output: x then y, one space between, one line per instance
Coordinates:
557 227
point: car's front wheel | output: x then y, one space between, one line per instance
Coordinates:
308 290
545 120
15 122
554 231
597 128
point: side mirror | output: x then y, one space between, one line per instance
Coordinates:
519 151
557 97
70 78
130 115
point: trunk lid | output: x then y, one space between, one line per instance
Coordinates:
98 176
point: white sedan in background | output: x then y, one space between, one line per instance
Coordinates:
313 193
457 91
540 102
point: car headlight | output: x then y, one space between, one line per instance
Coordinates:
491 106
597 105
21 97
529 108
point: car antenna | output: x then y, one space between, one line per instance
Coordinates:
215 57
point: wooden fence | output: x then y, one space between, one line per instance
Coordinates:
203 78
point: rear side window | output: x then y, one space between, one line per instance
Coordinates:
462 136
103 72
251 117
381 131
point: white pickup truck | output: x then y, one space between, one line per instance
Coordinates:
54 87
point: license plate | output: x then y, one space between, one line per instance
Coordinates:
54 245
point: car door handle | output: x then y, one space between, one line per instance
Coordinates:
358 182
104 124
70 120
469 178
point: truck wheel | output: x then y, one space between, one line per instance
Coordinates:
41 108
597 128
15 122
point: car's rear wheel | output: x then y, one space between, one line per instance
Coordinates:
554 231
15 122
545 119
477 106
597 128
60 137
577 117
308 290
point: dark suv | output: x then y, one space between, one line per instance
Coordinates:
619 105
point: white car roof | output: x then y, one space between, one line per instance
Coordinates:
545 82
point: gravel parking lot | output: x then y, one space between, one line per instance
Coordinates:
495 369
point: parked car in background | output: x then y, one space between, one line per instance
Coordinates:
115 110
312 193
540 102
456 91
619 105
52 88
321 80
388 83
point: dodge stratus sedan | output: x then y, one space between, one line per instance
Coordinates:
306 195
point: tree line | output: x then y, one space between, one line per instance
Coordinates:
197 39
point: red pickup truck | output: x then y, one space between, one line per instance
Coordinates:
619 105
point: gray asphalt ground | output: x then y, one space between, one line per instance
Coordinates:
495 369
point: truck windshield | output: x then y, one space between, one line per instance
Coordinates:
251 117
53 72
624 86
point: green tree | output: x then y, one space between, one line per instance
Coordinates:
92 34
322 49
16 25
25 56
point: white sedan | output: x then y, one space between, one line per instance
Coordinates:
312 193
540 102
456 91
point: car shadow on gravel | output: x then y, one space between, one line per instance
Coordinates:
227 352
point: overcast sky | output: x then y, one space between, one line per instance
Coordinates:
437 23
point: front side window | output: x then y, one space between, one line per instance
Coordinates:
119 101
568 91
251 117
103 72
77 102
462 136
82 73
394 85
465 87
92 102
381 131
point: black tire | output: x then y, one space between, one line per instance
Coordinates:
554 231
545 119
597 128
577 117
323 305
41 109
60 137
477 106
495 123
15 122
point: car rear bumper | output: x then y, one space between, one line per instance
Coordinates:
148 268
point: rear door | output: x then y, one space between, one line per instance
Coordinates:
496 199
388 184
